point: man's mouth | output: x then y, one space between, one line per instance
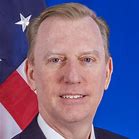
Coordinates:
72 96
72 99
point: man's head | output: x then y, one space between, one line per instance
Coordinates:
68 63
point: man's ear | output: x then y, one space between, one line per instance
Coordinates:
29 70
109 70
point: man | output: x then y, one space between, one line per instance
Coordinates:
69 67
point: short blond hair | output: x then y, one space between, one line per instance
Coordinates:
71 11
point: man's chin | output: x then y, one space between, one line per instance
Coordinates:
75 117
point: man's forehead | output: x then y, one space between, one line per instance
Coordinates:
60 29
58 32
56 23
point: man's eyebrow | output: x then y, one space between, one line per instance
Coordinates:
51 53
94 52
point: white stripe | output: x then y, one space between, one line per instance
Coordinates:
21 71
8 126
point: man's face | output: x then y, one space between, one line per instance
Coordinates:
70 72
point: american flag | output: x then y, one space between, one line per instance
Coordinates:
15 95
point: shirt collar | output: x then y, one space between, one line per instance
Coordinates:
51 133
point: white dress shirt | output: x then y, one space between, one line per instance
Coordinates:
51 133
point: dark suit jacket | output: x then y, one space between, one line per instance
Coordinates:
33 131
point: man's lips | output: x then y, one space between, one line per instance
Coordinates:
72 99
72 96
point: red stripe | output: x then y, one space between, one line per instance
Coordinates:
18 99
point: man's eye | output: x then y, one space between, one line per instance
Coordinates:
88 60
54 60
57 60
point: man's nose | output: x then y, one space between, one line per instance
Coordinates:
72 73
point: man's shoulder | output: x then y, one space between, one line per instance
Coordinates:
105 134
31 132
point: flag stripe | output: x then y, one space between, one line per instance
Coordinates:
8 126
21 71
18 99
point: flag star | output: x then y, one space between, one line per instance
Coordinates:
24 22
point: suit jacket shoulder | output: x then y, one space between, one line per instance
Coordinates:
105 134
33 131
